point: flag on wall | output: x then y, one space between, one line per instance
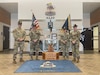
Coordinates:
34 22
67 24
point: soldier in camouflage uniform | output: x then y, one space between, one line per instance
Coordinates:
65 43
75 36
34 44
19 37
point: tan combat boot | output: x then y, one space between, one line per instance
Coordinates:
31 57
67 57
14 61
64 57
74 60
21 60
37 58
77 60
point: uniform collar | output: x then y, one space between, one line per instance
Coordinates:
19 28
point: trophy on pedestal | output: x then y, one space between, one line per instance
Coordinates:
50 54
50 48
50 13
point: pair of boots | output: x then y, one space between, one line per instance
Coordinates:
21 60
32 57
76 60
65 57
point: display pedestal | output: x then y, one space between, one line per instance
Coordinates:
50 55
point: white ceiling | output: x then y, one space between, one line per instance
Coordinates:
10 7
89 7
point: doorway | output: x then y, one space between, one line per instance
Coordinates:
6 37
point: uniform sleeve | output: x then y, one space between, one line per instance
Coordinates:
61 37
15 34
78 35
70 36
30 34
24 34
39 34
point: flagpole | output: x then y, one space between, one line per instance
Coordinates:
32 11
32 14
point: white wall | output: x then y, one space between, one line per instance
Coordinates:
86 20
14 19
50 0
7 1
62 9
1 37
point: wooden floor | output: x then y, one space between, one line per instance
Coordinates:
89 65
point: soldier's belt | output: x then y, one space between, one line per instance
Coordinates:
19 41
32 40
35 42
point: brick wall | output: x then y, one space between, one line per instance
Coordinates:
95 16
5 16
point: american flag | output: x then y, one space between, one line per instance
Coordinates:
34 22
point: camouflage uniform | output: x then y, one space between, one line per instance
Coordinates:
65 43
34 46
18 34
75 36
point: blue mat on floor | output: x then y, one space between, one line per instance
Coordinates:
34 66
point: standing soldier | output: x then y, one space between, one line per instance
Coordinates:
75 36
34 44
19 36
65 43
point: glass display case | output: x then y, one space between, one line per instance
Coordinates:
54 42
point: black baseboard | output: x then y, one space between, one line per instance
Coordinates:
26 52
40 53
